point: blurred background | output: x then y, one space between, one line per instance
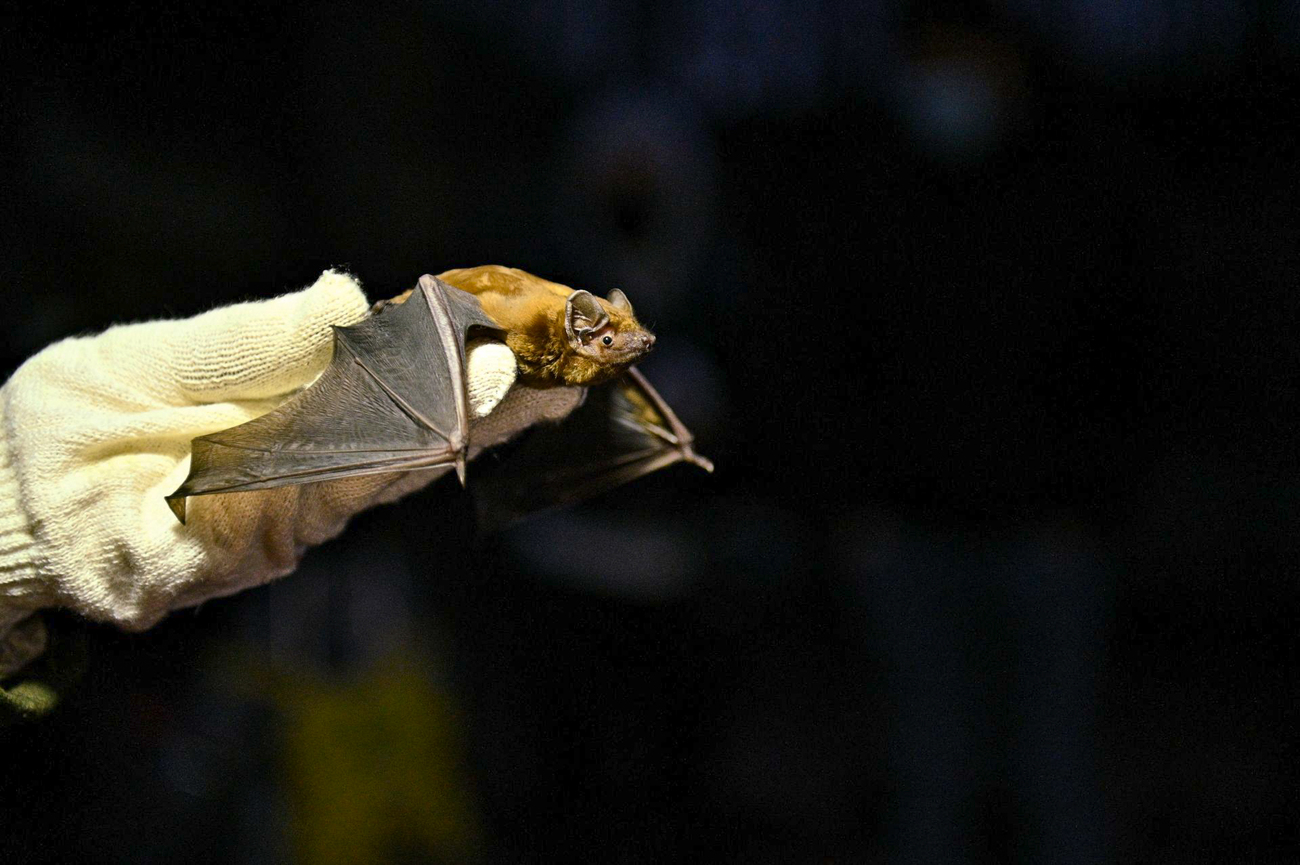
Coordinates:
986 312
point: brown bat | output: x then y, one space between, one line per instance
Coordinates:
560 336
394 398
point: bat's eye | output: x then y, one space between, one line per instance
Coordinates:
608 340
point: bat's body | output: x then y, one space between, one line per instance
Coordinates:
393 398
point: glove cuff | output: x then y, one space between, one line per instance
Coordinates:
22 635
18 571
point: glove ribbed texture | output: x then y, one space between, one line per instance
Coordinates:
21 591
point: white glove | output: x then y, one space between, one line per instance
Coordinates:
95 432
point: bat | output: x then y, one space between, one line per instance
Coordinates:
394 398
559 336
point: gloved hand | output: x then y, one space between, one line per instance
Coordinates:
94 432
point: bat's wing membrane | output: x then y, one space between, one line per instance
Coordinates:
392 399
623 431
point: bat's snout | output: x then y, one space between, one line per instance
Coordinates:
647 342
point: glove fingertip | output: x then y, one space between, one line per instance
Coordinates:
264 348
491 372
335 298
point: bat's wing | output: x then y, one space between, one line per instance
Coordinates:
392 399
622 431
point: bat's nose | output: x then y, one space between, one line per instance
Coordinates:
648 341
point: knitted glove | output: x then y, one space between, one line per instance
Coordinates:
94 432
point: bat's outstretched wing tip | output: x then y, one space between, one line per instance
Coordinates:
176 501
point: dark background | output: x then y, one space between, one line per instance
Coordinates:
986 312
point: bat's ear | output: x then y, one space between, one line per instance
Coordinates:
582 315
619 301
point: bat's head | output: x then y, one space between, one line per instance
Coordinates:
604 334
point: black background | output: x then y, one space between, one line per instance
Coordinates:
987 314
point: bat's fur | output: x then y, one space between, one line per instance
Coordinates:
532 312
